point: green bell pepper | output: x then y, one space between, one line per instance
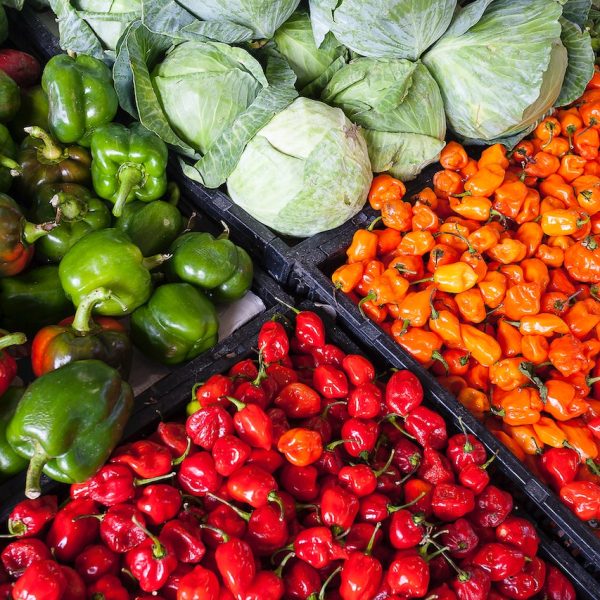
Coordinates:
44 161
33 112
10 462
10 97
69 421
9 167
33 300
108 259
128 164
152 226
78 213
176 325
81 97
214 264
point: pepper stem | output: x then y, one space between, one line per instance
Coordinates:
241 513
12 165
138 482
393 509
368 298
34 472
83 315
286 558
295 310
387 464
237 403
51 150
327 582
68 207
129 178
158 550
12 339
225 233
152 262
274 497
372 539
180 459
215 530
33 232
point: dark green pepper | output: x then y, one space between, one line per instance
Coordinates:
3 25
69 421
17 236
108 259
176 325
215 264
128 164
152 226
33 300
10 97
77 211
45 161
9 167
10 462
81 97
33 112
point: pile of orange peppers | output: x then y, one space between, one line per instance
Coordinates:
491 278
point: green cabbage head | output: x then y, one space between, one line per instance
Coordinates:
203 87
306 171
399 106
313 66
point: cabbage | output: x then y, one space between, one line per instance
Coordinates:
383 28
313 66
305 172
400 107
501 72
203 87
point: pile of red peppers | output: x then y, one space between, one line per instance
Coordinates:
302 475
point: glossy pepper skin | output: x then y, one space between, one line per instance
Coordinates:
79 213
82 338
177 324
213 264
128 164
43 160
33 299
8 154
10 462
69 421
81 96
109 259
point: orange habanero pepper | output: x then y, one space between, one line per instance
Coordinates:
471 207
376 313
417 243
476 262
446 183
549 432
409 265
426 197
447 326
547 129
561 222
482 346
542 165
521 300
557 187
526 437
471 305
424 218
535 271
385 188
531 207
493 155
582 317
508 251
546 324
484 238
511 444
476 401
486 181
371 271
441 254
589 199
521 406
507 375
453 383
454 156
586 142
388 240
469 170
363 246
347 277
553 257
423 346
567 355
415 308
493 288
509 338
531 235
571 167
534 349
561 401
582 260
397 214
580 438
454 278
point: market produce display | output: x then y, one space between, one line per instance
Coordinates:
298 475
490 279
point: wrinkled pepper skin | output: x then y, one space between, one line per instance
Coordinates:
79 214
82 337
17 237
43 161
81 97
128 164
176 325
33 299
69 421
214 264
8 163
152 226
108 259
10 462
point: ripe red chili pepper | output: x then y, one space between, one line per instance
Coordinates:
8 365
273 343
465 449
75 586
174 437
217 387
199 583
229 454
310 329
442 592
450 501
427 427
475 477
252 485
338 508
359 479
403 393
359 370
226 520
145 458
527 583
269 460
330 382
364 401
95 562
583 498
472 583
329 354
265 586
245 369
197 474
111 485
557 586
315 546
251 393
117 529
519 532
267 530
235 563
252 424
361 575
359 435
185 540
108 587
418 493
29 517
42 579
435 467
20 554
298 401
460 538
68 534
159 503
207 425
499 560
300 482
407 456
408 575
406 529
492 506
560 466
301 581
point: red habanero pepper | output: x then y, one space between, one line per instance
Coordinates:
20 554
364 401
408 575
403 393
329 354
207 425
95 562
418 493
253 485
465 449
427 427
112 484
519 532
583 498
406 529
216 387
252 424
117 530
492 507
300 482
475 477
407 456
29 517
460 538
197 474
330 382
159 503
499 560
8 365
557 586
267 585
359 435
236 566
108 587
199 583
435 467
338 508
43 579
527 583
316 546
302 581
310 330
298 401
273 343
145 458
560 466
151 562
361 480
358 369
229 454
267 530
185 540
451 501
173 436
269 460
472 583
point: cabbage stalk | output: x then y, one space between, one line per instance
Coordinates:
203 87
305 172
399 106
313 66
